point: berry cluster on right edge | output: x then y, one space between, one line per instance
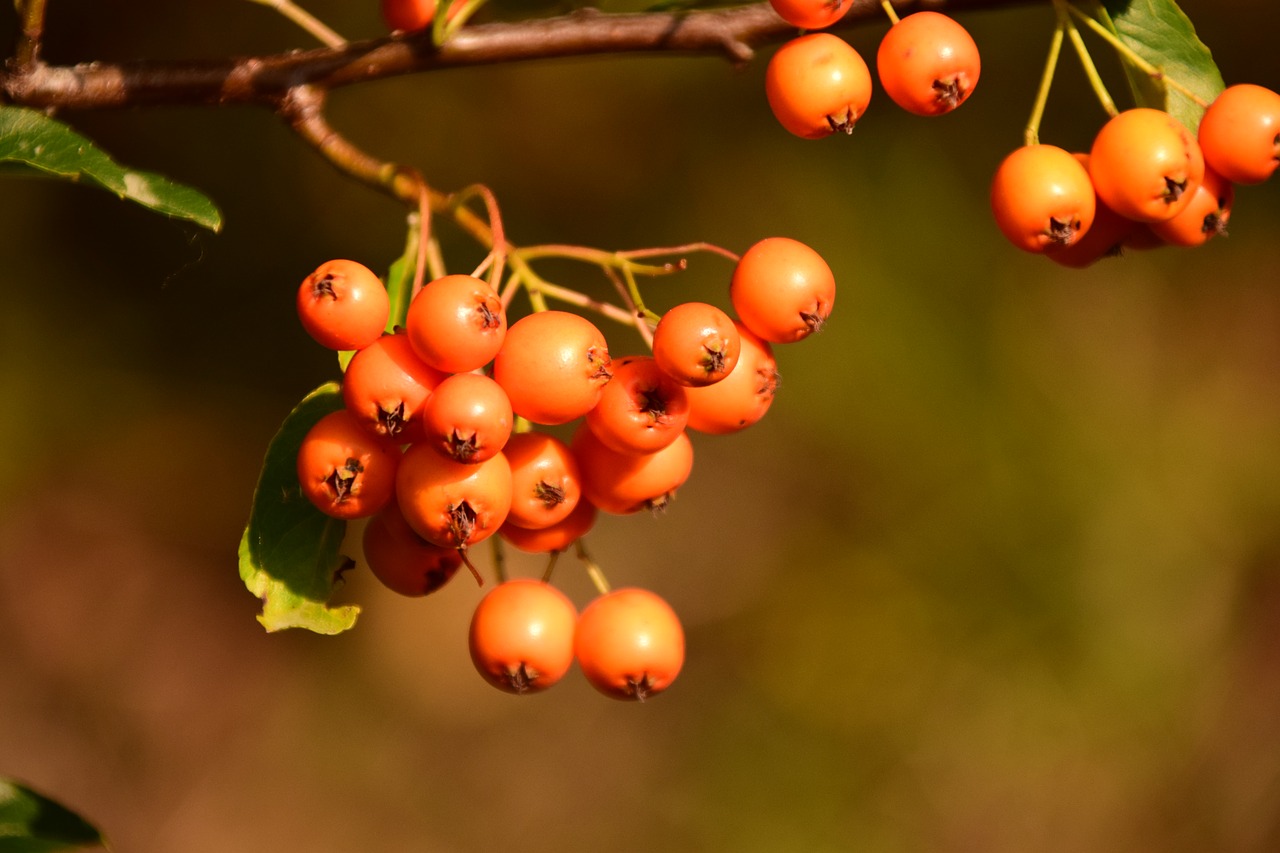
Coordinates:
1147 180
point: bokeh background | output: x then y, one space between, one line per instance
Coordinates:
1000 571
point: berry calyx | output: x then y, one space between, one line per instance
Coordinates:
695 344
629 644
1145 165
782 290
344 470
1042 198
554 366
343 305
521 636
456 323
928 63
817 85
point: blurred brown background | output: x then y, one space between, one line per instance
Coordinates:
1000 571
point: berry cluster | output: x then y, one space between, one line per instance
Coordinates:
818 84
1147 181
438 445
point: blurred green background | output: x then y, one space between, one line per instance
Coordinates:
1000 571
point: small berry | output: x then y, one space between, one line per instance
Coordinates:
343 305
629 644
521 636
928 63
817 85
1042 198
1240 133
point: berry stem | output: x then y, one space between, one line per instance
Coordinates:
553 558
1086 61
498 246
424 240
598 579
466 561
639 318
28 52
448 21
499 559
889 10
305 20
633 293
539 288
1031 134
711 248
600 257
1129 54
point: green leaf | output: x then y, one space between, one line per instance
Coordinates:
33 144
289 554
400 278
1161 33
33 823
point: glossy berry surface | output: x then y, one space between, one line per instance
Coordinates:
1145 165
782 290
629 644
343 305
1042 198
521 636
928 63
1240 133
817 85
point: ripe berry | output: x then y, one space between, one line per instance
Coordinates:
641 410
545 481
1042 198
623 483
521 636
553 538
449 503
456 323
408 15
629 644
928 63
1240 133
1105 238
810 14
1145 165
386 385
695 344
553 366
742 397
468 417
402 560
345 470
1204 217
817 84
782 290
343 305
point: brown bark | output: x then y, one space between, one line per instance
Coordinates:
265 80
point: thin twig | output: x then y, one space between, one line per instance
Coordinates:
27 55
305 20
732 32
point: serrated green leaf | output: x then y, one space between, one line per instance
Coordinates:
32 823
31 143
289 553
1161 33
